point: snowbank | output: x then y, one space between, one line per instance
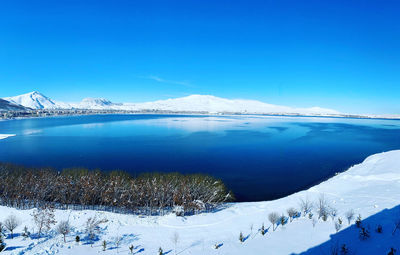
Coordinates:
371 189
4 136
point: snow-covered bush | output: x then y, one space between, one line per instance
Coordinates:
274 219
25 232
241 237
323 208
93 226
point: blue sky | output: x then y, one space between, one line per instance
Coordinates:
343 55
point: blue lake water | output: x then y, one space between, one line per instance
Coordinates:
258 157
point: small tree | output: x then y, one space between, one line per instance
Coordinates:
292 212
175 240
305 206
338 226
93 226
333 212
282 220
63 228
349 216
77 239
314 222
25 232
392 251
241 237
364 234
44 218
104 244
160 251
263 229
358 221
379 229
118 240
1 229
2 244
323 208
11 223
131 248
274 219
344 250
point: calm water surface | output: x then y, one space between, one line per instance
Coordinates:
258 157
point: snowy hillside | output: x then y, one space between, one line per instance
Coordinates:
212 104
36 100
193 103
370 189
10 106
94 103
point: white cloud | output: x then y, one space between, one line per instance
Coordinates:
161 80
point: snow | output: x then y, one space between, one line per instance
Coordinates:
370 189
36 100
4 136
192 103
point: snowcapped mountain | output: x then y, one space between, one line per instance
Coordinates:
95 103
9 106
192 103
36 100
212 104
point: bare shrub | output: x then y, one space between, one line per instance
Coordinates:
63 228
175 240
305 206
323 208
338 226
349 216
292 212
93 226
44 218
274 219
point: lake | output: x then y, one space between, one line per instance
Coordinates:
258 157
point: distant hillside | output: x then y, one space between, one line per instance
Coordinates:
192 103
8 106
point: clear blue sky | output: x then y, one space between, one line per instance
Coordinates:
343 55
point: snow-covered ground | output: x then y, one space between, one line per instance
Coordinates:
4 136
371 189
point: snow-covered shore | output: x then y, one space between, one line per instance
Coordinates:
371 189
4 136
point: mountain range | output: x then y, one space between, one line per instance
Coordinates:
192 103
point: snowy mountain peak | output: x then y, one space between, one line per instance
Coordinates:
34 100
191 103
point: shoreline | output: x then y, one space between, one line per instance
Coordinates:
201 114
